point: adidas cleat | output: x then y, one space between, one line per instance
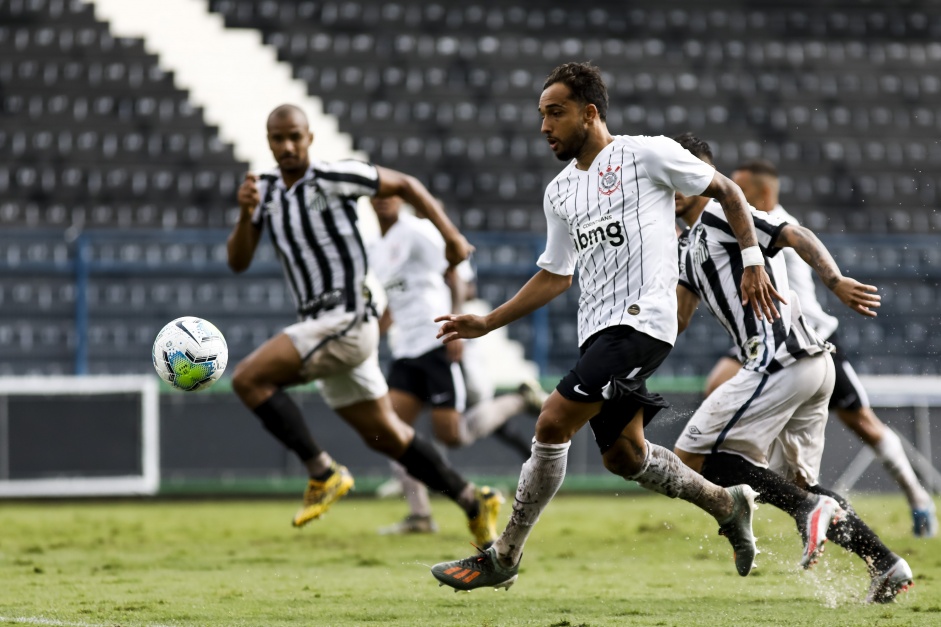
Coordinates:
925 522
825 513
738 528
320 495
886 585
477 571
413 523
484 524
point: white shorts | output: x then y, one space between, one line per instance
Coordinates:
775 421
340 350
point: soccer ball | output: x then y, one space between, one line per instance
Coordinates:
190 354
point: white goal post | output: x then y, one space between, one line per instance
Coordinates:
920 393
147 481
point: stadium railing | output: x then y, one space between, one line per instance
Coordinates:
907 267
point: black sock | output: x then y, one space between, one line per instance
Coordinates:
726 470
326 474
854 535
426 464
283 419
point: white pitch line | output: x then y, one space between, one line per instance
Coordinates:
52 622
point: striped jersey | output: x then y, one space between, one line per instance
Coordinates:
711 267
800 276
616 222
409 261
313 229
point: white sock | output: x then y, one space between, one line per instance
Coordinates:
664 473
414 490
487 416
892 455
540 479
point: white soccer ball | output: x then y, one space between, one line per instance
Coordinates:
190 354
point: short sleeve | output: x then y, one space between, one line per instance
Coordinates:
559 256
669 164
348 178
427 246
768 228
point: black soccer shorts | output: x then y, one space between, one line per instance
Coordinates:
613 367
848 392
431 377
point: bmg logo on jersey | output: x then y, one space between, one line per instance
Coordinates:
603 230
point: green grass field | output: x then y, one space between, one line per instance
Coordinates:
592 560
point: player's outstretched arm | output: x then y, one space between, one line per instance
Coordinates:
539 290
394 183
243 240
859 297
757 288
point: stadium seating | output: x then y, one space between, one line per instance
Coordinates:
428 87
95 137
90 119
840 96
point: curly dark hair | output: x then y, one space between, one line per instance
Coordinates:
698 147
585 82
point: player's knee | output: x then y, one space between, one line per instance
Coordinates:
552 428
243 383
851 417
623 460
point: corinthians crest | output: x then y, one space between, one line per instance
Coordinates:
610 180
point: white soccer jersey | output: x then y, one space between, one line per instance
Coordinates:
617 222
711 267
800 276
313 229
409 261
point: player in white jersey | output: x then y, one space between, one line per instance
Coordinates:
309 208
408 259
765 426
759 181
610 211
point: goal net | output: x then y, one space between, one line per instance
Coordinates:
79 436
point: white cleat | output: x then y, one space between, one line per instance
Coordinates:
825 513
890 583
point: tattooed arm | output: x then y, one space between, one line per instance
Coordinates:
858 297
757 288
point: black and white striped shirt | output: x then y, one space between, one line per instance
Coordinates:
616 222
314 231
711 267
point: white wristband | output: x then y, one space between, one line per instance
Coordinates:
752 256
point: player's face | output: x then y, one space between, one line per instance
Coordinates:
289 140
563 122
387 209
750 186
684 204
